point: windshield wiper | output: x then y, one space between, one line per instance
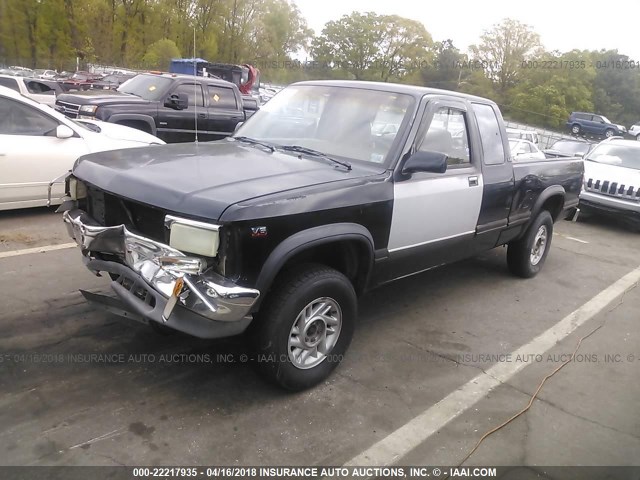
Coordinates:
253 141
315 153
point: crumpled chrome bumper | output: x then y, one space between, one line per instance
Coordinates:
174 278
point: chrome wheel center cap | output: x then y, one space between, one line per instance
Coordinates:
314 332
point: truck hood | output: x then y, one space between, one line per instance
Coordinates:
628 177
100 97
202 180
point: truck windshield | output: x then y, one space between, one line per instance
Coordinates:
149 87
627 156
342 122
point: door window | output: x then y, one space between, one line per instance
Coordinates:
19 119
490 134
448 134
221 97
194 92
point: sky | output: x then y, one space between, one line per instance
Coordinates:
562 25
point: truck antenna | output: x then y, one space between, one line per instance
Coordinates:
195 85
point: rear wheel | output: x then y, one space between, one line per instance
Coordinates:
638 138
575 129
526 256
306 326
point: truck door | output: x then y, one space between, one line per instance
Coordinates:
180 125
225 111
435 214
497 172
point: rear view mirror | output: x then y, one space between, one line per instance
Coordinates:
177 101
62 131
238 125
420 161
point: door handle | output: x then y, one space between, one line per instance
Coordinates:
473 181
202 115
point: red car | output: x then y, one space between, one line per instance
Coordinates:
80 81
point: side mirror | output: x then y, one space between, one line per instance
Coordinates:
434 162
178 101
62 131
238 125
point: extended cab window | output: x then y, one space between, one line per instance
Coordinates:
447 134
18 119
193 91
221 97
490 134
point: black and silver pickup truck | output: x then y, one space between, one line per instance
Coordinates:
331 189
171 107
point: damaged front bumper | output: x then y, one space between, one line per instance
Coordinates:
159 283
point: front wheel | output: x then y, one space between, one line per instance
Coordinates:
526 256
306 326
609 133
638 138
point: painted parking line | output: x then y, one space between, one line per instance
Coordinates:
397 444
29 251
572 238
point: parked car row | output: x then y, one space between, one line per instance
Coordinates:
70 81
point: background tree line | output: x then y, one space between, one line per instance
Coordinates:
508 64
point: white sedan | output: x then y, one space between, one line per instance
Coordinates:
524 150
38 144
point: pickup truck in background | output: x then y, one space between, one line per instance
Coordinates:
171 107
41 91
331 189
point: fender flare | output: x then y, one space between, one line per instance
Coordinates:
119 117
552 191
310 238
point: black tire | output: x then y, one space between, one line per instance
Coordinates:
291 294
609 133
638 138
575 129
519 252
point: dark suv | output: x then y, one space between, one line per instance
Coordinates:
594 124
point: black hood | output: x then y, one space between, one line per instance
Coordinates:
100 97
202 180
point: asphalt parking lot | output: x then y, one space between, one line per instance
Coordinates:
82 387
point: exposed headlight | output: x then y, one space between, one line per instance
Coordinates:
194 237
77 189
88 108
